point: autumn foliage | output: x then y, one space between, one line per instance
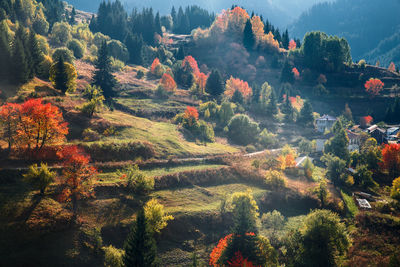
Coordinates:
77 176
292 45
234 84
154 65
365 121
33 124
391 159
168 83
191 115
190 62
296 73
392 67
373 86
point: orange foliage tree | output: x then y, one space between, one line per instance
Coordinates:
237 21
190 62
373 86
77 176
33 124
154 65
365 121
392 67
296 73
239 261
297 102
234 84
216 253
258 28
292 45
191 115
168 83
391 159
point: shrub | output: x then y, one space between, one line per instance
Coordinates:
242 130
137 181
40 26
44 67
161 92
205 131
90 135
61 33
118 50
268 139
77 48
156 216
275 179
120 151
139 74
362 64
308 168
40 178
250 149
99 39
395 191
116 65
113 257
63 52
274 220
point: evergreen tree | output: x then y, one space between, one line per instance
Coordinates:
249 39
35 52
103 76
181 53
306 116
287 74
285 39
214 85
158 24
19 64
4 54
72 17
140 246
134 43
238 97
61 76
173 15
272 107
338 144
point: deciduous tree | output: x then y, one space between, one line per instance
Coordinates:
234 84
40 177
168 83
391 159
373 86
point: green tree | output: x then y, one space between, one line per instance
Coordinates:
140 246
40 177
61 76
5 54
287 75
324 238
306 116
156 216
35 52
363 177
225 113
134 43
19 63
335 168
249 39
338 144
242 130
103 76
95 100
321 191
272 107
215 85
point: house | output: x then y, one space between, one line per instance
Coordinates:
354 141
321 140
325 123
379 134
391 133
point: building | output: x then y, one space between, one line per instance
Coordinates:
354 141
325 123
379 134
391 133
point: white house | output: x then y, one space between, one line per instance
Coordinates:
354 141
325 123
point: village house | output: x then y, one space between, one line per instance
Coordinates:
325 123
354 141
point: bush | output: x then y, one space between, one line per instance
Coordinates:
362 64
242 130
137 181
61 33
113 257
395 191
63 52
306 147
268 139
250 149
161 92
275 180
118 50
156 215
90 135
139 74
205 132
44 68
274 220
120 151
116 65
77 48
40 178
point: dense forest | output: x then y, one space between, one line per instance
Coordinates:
188 137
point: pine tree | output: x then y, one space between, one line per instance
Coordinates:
4 54
272 107
35 52
285 39
19 64
306 116
181 53
134 43
238 97
158 24
140 246
214 85
103 76
173 15
287 74
249 39
72 17
61 76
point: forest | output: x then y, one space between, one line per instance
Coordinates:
140 137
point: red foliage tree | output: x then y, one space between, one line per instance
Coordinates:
296 73
239 261
33 124
201 81
191 115
373 86
365 121
392 67
190 62
233 85
168 83
77 176
292 45
218 250
156 62
391 159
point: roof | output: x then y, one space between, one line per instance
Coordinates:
352 135
300 161
378 130
363 203
392 130
372 128
326 118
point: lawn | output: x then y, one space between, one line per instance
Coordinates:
165 137
155 107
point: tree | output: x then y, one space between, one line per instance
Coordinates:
5 53
77 176
249 39
287 75
19 62
373 87
272 107
306 116
40 178
95 97
168 83
35 52
322 192
134 44
274 220
103 76
395 192
347 113
335 168
140 246
214 85
9 119
292 45
63 76
275 179
363 177
225 113
233 85
338 144
137 181
391 159
242 130
324 238
392 67
156 216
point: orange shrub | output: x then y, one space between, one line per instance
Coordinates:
234 84
168 83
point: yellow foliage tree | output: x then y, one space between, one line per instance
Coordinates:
156 216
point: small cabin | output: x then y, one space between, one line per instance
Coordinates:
325 123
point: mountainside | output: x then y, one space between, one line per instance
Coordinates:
280 13
364 23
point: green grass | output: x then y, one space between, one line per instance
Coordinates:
110 177
318 174
152 105
165 137
351 206
198 199
292 223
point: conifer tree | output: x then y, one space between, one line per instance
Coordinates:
140 246
249 39
158 24
72 17
285 39
134 43
272 107
35 52
214 85
61 76
287 74
306 116
4 54
181 53
103 76
20 68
